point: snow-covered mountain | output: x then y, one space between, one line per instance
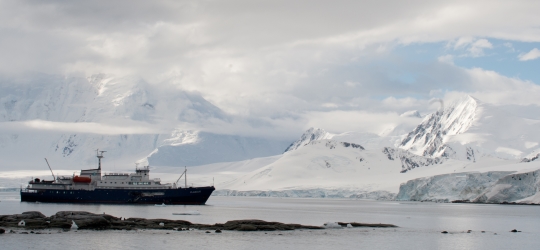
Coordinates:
192 148
312 134
368 139
79 114
459 153
411 113
469 150
470 129
331 164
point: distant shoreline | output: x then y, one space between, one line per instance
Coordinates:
430 201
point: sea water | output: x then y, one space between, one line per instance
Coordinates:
420 225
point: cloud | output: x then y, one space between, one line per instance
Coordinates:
477 48
531 55
463 42
474 47
79 127
446 59
494 88
152 40
343 121
274 64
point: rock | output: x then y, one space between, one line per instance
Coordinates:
2 231
256 225
86 220
514 231
60 223
23 233
93 222
469 231
207 232
246 227
483 231
444 232
34 215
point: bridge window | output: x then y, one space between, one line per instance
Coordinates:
140 183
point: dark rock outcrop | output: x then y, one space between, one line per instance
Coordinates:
257 225
87 220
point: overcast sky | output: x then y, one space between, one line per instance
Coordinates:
340 65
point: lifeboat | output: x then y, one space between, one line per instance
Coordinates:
82 179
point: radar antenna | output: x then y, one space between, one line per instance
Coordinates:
99 156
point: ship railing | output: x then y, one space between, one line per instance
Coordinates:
143 168
27 190
117 174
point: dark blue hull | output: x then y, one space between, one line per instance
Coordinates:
181 196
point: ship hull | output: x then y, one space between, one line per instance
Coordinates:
180 196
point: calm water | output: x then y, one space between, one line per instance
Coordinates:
420 225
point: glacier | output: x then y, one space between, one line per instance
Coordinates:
487 187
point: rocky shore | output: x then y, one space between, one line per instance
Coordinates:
85 220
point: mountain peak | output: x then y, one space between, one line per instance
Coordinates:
312 134
411 113
428 138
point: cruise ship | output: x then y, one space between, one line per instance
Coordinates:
90 186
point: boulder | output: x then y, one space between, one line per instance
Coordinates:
92 222
33 215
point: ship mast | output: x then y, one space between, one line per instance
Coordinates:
185 177
99 156
54 178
